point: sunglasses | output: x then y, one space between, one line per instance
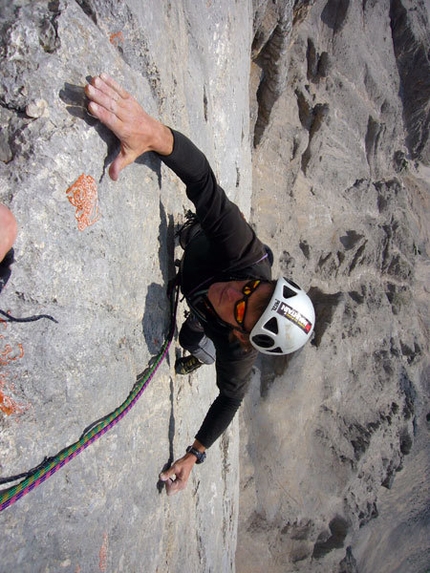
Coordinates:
241 306
203 307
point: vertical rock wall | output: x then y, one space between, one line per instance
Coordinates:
97 255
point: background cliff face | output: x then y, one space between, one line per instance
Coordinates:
337 434
330 101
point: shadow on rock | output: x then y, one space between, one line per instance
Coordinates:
155 321
76 103
325 305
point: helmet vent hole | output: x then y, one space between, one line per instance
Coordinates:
293 284
287 292
276 350
263 340
272 325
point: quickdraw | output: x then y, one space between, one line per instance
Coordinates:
51 465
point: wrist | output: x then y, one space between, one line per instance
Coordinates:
163 140
197 454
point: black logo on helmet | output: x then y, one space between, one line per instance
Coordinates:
293 315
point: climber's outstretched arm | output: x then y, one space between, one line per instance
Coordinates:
137 131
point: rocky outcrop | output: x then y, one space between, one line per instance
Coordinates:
272 27
319 110
338 177
411 38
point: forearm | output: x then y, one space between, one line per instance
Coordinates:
187 161
162 139
217 420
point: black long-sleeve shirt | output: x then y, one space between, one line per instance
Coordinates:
228 249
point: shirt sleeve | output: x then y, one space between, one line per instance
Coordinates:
221 220
233 378
218 418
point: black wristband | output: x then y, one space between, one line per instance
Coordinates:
201 456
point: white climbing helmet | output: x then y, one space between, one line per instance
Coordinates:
287 323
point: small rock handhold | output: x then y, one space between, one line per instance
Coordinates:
37 108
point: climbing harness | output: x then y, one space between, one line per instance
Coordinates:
51 465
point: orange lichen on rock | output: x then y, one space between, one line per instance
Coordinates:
8 405
83 195
116 38
103 555
8 355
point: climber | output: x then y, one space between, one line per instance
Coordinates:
236 309
8 232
